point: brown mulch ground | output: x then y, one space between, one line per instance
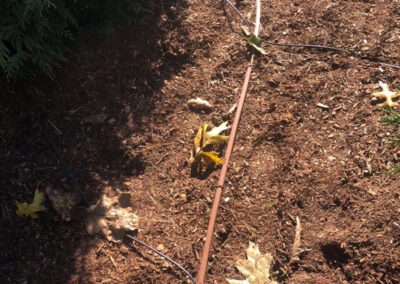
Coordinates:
291 158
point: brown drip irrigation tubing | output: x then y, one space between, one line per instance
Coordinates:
218 192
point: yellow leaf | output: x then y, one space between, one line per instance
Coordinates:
255 268
197 140
213 137
203 142
200 155
30 210
210 157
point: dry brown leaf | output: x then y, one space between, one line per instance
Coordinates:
63 202
387 94
95 118
255 268
199 104
112 217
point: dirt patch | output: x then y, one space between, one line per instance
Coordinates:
291 157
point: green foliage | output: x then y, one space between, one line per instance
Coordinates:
34 34
395 142
393 119
395 169
255 42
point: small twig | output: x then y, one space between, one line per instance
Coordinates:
162 159
296 250
390 65
46 168
5 215
232 109
55 127
164 256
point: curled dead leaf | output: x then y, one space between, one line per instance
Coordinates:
112 217
199 104
63 202
201 155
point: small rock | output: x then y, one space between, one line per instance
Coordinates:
160 247
111 121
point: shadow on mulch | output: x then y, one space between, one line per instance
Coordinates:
121 75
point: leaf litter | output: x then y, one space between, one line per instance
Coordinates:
256 268
387 94
202 155
199 104
63 202
112 217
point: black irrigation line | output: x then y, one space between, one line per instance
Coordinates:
54 146
57 151
241 16
164 256
298 44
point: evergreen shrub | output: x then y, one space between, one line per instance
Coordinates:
34 34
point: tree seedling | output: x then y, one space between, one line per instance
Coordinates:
253 40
